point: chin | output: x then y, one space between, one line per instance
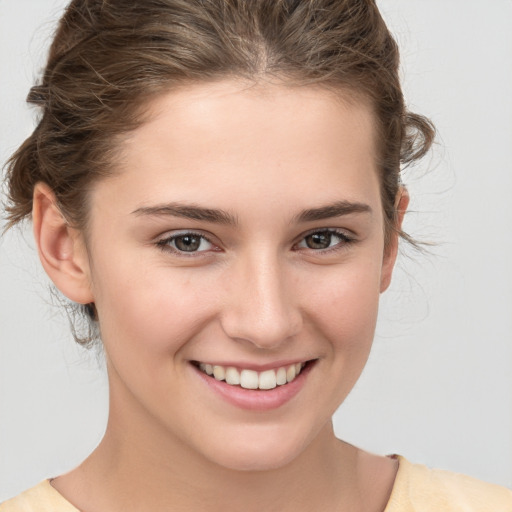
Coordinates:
254 460
258 449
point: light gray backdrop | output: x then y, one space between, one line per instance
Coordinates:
438 388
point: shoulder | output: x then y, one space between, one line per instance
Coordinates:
418 488
41 498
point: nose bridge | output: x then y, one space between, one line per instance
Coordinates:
262 308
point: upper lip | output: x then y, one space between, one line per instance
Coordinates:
258 367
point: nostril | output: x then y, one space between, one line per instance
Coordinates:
265 331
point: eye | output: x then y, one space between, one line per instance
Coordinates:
325 239
186 243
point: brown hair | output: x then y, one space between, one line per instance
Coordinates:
109 57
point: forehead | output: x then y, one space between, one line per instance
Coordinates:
237 140
244 110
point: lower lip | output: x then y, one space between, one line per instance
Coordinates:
254 399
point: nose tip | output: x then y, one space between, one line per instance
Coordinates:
264 325
262 308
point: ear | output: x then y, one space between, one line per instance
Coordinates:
390 252
61 248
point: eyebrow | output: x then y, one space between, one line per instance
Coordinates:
188 211
336 209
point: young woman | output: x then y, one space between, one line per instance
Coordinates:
217 185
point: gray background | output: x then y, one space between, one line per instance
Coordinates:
438 387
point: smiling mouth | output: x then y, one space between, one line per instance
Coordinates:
251 379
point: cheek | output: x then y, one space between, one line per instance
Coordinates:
344 306
157 309
154 309
341 314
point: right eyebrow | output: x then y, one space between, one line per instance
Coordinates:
188 211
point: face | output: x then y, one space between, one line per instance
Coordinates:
243 235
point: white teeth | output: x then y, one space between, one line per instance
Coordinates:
219 372
281 376
232 376
267 380
250 379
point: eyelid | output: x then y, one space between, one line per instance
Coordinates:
341 231
163 242
347 238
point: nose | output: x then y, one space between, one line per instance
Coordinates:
261 305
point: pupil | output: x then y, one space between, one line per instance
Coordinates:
188 243
318 240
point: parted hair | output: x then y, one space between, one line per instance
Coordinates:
109 58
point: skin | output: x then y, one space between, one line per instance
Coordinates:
255 294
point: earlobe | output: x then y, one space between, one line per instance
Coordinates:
60 247
391 251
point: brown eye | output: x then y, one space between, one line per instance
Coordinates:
186 243
320 240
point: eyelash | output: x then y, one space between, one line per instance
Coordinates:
165 246
345 240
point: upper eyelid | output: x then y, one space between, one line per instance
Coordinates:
323 230
171 235
208 235
337 231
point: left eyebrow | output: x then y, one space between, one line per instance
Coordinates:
336 209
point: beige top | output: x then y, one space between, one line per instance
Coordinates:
416 489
